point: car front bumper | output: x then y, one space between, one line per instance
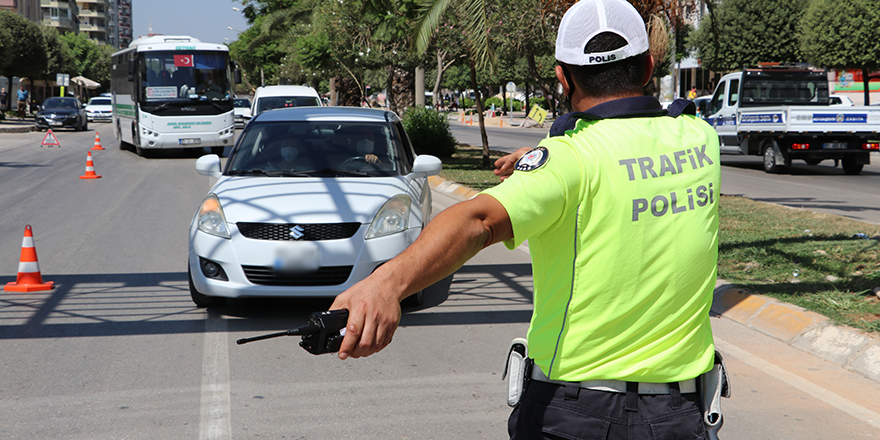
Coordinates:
232 254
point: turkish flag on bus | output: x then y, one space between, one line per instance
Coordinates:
183 61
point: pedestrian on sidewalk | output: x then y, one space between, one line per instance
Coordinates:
620 212
22 102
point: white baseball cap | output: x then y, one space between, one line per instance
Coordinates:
588 18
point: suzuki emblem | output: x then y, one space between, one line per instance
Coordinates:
297 232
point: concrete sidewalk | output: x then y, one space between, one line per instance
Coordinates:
850 348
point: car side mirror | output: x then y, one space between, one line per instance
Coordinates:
209 165
425 163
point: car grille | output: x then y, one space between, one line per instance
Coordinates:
311 232
325 276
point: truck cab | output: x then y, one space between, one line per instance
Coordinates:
784 113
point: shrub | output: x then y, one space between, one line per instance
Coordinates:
429 132
541 101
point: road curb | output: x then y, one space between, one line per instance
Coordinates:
852 349
19 129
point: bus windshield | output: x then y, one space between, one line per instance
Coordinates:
184 76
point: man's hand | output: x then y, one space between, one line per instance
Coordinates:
504 166
371 158
373 316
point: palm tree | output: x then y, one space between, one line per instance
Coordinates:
475 21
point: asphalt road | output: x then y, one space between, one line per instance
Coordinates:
822 188
117 349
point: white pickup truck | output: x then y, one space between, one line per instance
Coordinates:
785 114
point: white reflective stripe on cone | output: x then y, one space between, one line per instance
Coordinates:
28 267
27 242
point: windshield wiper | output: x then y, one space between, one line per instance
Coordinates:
330 172
252 171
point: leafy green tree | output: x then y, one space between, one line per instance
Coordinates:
28 57
749 32
476 27
60 57
843 34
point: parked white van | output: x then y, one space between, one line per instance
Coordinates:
270 97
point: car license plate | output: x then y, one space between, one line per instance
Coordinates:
296 258
834 146
190 141
54 123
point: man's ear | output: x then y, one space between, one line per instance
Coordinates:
649 70
566 88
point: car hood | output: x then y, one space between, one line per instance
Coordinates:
58 111
305 200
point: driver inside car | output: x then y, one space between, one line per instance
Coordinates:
366 144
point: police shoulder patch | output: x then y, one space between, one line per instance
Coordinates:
534 159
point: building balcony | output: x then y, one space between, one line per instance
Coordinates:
61 4
62 25
83 27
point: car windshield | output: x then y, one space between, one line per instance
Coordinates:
319 149
99 101
270 102
242 103
59 104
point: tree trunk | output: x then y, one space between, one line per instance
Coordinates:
389 89
420 87
866 80
334 97
439 77
403 85
479 99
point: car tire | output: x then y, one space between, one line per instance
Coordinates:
201 299
86 126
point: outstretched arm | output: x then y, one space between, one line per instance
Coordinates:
504 166
454 236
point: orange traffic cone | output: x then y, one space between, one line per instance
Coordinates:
29 278
90 169
97 142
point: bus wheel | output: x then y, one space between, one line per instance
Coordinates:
217 150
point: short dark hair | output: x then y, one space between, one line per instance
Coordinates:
612 79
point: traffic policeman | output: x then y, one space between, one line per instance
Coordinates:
620 208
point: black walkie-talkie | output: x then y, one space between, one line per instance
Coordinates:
322 334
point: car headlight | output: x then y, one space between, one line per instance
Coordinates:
392 218
211 218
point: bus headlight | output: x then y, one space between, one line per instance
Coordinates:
392 218
211 219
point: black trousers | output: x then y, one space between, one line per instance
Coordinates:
550 411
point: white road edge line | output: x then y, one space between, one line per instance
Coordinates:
214 423
824 395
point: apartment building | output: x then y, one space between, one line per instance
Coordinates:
104 21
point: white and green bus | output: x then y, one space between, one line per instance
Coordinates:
173 92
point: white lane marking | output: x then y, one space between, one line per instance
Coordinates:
214 423
823 394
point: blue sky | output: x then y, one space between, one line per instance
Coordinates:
207 20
